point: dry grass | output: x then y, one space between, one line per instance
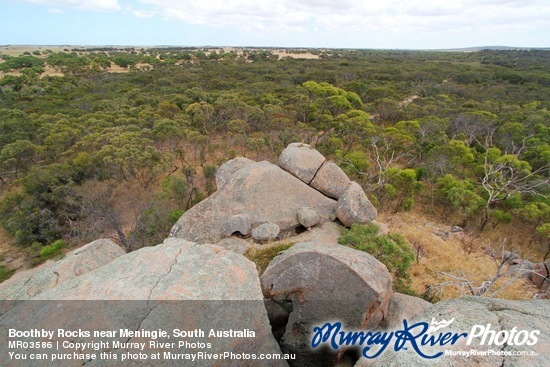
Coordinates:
458 254
263 256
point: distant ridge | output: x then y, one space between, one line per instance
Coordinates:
499 48
457 49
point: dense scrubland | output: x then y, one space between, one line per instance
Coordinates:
436 139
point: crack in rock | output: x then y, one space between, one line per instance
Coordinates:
316 172
152 290
57 278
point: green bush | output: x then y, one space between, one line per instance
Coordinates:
391 250
174 215
53 250
5 273
500 216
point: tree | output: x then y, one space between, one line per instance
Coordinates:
479 126
167 109
402 185
202 116
389 146
16 125
21 62
17 156
458 195
353 127
503 175
136 219
46 209
168 131
327 99
455 158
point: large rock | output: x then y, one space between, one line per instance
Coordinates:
266 232
236 223
30 283
331 180
261 190
226 170
214 289
325 282
539 275
354 207
467 312
301 160
308 217
401 307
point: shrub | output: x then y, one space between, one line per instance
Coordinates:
391 250
174 215
53 250
5 273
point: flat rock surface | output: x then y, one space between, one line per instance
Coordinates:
226 170
215 289
467 312
32 282
235 244
401 307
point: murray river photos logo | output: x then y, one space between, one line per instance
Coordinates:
418 337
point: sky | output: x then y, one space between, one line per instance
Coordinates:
385 24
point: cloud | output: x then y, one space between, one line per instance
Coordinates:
351 21
393 15
278 16
92 5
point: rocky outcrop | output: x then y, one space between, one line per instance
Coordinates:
502 315
325 282
354 207
215 289
30 283
196 285
264 192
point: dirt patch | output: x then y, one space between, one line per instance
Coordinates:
296 55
